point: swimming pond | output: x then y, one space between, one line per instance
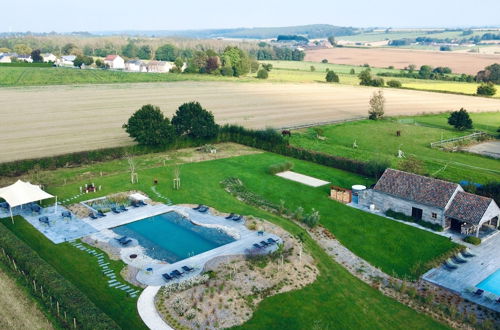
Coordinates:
171 238
491 283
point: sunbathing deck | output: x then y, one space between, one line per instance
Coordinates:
301 178
470 274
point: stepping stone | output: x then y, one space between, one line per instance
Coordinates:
125 288
114 284
108 271
130 290
120 286
112 281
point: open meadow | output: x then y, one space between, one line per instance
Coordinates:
51 120
469 63
377 139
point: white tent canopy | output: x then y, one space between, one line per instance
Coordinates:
22 192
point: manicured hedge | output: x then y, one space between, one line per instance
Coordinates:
28 65
472 240
56 289
404 217
280 167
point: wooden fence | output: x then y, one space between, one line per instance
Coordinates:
473 136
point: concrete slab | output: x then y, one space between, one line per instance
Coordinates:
301 178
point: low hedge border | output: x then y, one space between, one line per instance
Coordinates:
404 217
66 302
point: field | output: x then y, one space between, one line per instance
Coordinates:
50 120
290 71
378 139
335 299
402 34
383 57
18 310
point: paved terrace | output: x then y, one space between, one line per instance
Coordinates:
470 274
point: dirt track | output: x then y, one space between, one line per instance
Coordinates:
44 121
383 57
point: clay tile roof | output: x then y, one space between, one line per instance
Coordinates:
468 207
111 57
417 188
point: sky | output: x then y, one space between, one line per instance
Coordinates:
112 15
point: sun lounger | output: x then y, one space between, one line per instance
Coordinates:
478 292
264 243
123 208
449 266
229 217
142 203
198 207
125 242
115 210
271 240
36 208
203 209
135 204
468 254
178 273
257 246
459 260
93 216
175 275
167 277
238 218
66 214
187 268
498 300
100 214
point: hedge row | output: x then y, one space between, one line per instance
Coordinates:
407 218
72 302
268 139
472 240
280 167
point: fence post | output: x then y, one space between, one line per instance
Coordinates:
74 322
57 304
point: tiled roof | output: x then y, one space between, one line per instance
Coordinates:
110 57
468 207
416 188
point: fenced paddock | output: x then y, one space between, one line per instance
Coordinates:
471 137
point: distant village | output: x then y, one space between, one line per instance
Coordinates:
115 62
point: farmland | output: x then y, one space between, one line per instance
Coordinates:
377 139
383 57
45 121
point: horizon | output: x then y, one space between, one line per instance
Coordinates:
66 18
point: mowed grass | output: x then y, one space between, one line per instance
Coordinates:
488 122
377 139
18 310
336 299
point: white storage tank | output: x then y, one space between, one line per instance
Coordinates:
356 190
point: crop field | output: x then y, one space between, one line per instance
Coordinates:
383 57
377 139
18 310
50 120
402 34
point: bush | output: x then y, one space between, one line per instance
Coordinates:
394 83
487 89
472 240
375 167
407 218
149 127
324 60
262 74
192 120
460 120
55 286
377 82
331 76
280 167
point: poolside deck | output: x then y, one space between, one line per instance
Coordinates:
471 273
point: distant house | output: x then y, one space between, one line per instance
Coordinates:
432 200
159 66
66 60
5 58
114 62
49 57
136 66
25 58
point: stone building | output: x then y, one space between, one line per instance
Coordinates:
432 200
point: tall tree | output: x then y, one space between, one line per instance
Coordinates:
331 76
166 52
194 121
68 49
36 56
22 49
460 120
377 106
130 50
144 52
148 126
331 40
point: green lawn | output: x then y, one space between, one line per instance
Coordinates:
488 122
377 139
336 299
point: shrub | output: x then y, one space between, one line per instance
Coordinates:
407 218
377 82
394 83
149 127
324 60
280 167
331 76
375 167
377 106
313 68
487 89
352 71
55 286
472 240
192 120
262 74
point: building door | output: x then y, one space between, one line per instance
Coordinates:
456 225
416 213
